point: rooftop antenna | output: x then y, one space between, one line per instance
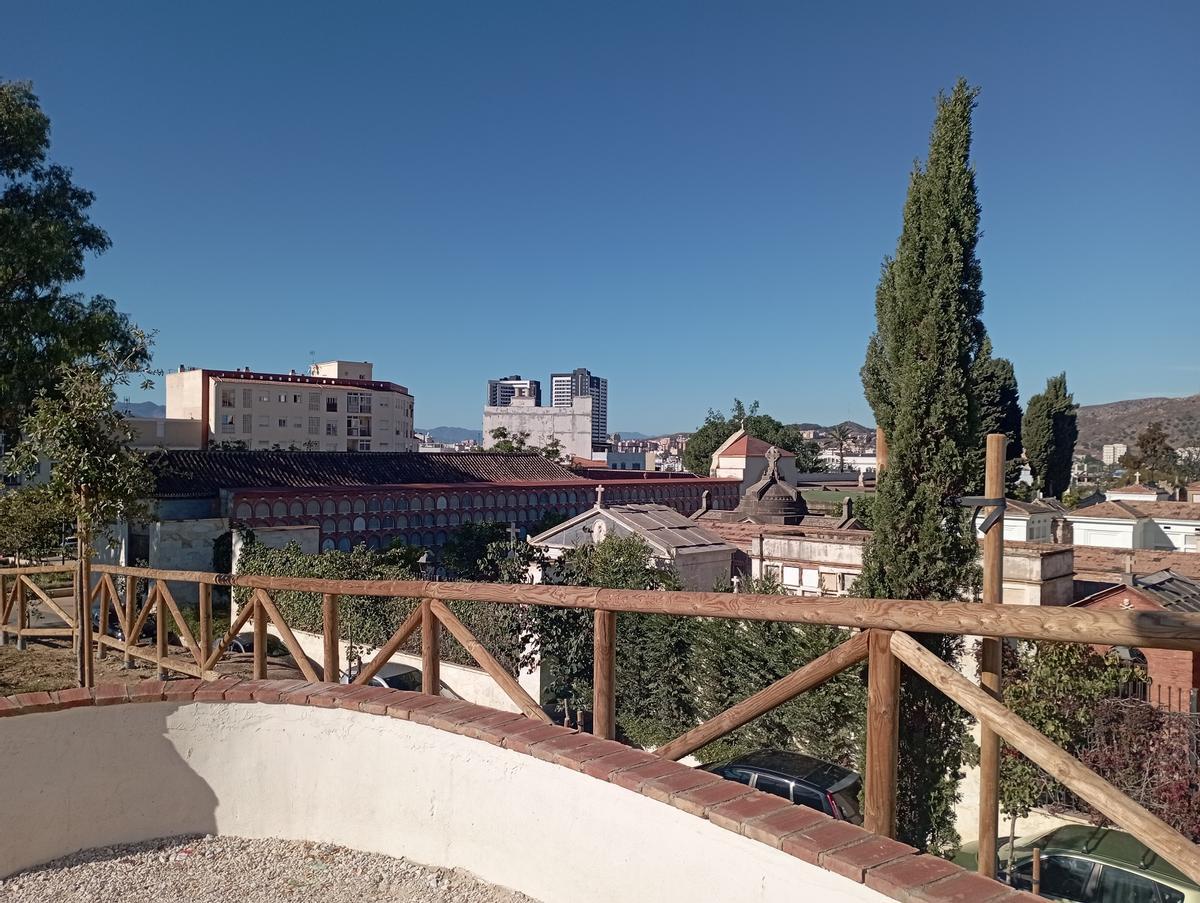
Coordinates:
312 361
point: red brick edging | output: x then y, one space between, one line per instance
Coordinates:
889 867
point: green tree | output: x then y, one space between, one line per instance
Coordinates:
837 439
999 412
505 441
1152 458
701 445
738 658
97 478
32 522
46 233
655 699
918 378
1049 432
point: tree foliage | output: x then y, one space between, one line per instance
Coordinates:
1152 458
1058 688
717 427
995 384
46 234
506 441
32 522
919 376
736 659
1050 431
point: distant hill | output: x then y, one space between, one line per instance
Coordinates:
1121 421
631 434
854 427
142 409
452 434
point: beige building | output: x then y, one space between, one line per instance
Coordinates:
339 406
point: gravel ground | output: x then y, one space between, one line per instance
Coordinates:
235 870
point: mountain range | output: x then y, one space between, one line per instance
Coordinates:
452 434
142 409
1121 421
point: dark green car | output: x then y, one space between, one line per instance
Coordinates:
1084 864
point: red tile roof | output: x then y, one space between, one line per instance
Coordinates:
749 446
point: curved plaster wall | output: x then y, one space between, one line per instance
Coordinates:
92 776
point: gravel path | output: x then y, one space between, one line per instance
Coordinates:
235 870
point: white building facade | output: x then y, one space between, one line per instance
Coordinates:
339 406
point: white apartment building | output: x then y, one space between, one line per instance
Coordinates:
501 391
571 425
566 387
339 406
1112 454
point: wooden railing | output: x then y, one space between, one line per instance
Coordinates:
878 633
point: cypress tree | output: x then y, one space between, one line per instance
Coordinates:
919 380
999 412
1050 431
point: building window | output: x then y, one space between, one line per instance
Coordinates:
358 426
331 428
314 426
227 425
358 403
246 423
283 398
247 398
295 399
264 422
282 422
331 405
314 401
364 444
228 398
264 397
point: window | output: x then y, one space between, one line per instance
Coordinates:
295 399
364 444
741 775
806 796
314 401
283 398
778 786
282 421
264 422
227 425
264 397
314 426
247 398
331 428
358 426
1062 877
228 398
1117 885
331 405
358 402
246 422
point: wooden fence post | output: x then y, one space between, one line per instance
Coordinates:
990 660
260 640
431 634
332 632
206 625
3 610
883 734
160 635
604 697
22 614
130 614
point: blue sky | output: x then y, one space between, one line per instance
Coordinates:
690 198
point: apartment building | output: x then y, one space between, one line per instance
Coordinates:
566 387
338 406
1112 454
501 391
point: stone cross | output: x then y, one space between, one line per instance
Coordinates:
512 534
600 495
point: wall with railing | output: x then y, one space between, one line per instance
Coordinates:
882 636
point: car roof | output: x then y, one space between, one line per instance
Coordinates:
821 774
1108 845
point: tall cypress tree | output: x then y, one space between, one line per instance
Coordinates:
919 380
1050 431
999 412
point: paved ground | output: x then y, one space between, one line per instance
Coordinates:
234 870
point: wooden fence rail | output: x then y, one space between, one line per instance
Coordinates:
877 633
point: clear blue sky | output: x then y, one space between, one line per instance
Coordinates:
690 198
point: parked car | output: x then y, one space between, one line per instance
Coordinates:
1085 864
244 642
392 675
148 633
804 780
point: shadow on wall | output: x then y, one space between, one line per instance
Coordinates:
56 804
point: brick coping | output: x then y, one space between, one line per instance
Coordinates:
893 869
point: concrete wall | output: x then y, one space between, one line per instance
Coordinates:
372 783
1114 534
185 545
703 569
571 426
